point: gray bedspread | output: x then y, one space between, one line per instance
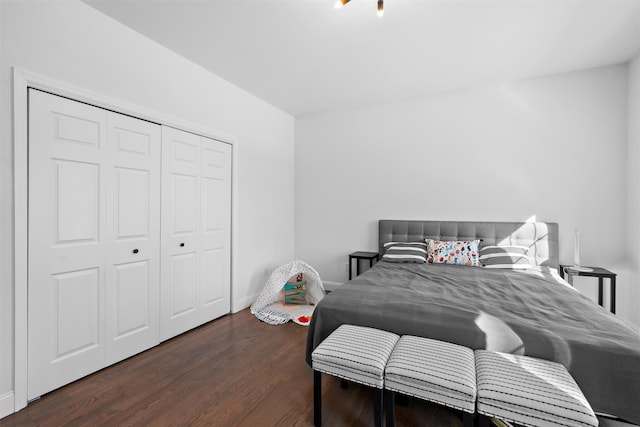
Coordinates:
532 313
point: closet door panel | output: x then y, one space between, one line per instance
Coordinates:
181 240
214 281
75 308
216 225
133 274
132 188
76 200
135 313
67 244
184 269
184 191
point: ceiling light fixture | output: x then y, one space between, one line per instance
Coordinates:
341 3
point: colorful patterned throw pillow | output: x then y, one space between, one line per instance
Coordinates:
460 252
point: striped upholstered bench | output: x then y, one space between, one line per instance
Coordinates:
353 353
432 370
529 392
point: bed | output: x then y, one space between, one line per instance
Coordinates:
532 312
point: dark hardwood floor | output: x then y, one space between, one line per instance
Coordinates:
234 371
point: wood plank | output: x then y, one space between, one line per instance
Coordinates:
233 371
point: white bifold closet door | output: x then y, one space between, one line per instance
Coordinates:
94 227
196 231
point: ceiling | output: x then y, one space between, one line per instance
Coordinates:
306 56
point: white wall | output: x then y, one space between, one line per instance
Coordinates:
6 302
553 147
73 43
633 172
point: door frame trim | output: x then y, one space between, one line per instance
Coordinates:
23 80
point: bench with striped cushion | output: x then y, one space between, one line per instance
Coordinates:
529 392
353 353
432 370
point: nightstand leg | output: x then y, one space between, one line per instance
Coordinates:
600 280
350 267
613 295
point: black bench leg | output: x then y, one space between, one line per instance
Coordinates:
377 407
343 383
484 420
317 398
390 407
467 419
402 399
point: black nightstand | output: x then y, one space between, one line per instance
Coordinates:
601 274
361 255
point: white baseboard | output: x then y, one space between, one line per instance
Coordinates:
331 286
243 303
7 403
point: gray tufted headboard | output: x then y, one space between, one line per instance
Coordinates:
540 237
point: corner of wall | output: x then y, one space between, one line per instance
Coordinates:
633 183
242 303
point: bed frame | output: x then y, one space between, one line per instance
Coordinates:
540 237
495 309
